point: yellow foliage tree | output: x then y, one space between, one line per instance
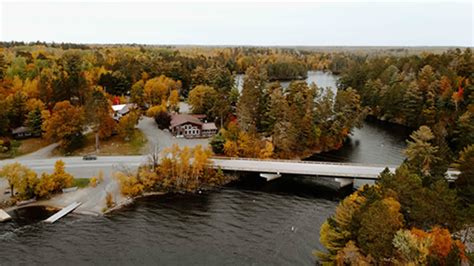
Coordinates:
267 151
336 231
61 177
158 89
127 123
20 178
173 100
65 121
231 148
152 111
33 104
129 184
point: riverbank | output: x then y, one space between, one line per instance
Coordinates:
93 199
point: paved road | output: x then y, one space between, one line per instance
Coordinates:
110 164
92 198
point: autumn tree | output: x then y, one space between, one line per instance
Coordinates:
20 178
379 223
127 123
65 124
336 231
99 113
158 89
465 182
137 93
202 100
16 108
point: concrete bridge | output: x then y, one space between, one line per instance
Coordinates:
344 173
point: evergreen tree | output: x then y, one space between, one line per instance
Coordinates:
249 108
421 154
35 121
413 101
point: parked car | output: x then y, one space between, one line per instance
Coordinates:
89 157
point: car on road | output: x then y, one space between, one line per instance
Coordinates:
89 157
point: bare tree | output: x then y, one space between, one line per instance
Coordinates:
154 156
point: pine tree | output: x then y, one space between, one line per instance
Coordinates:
35 121
249 108
413 101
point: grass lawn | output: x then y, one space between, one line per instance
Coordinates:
25 146
115 145
31 145
81 182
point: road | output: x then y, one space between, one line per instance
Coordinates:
92 198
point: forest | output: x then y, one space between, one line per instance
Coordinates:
413 216
61 91
43 86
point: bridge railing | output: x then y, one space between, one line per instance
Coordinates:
300 161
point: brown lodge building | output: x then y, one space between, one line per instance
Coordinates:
191 126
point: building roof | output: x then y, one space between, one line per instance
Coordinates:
179 119
199 116
20 130
209 126
118 107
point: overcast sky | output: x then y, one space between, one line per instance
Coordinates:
321 23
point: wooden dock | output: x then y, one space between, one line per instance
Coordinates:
4 216
63 212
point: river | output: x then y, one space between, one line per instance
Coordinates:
250 222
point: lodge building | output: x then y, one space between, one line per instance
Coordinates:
191 126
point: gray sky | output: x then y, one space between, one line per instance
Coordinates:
246 23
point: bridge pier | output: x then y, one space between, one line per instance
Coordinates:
270 177
343 182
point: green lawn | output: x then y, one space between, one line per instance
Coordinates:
81 182
115 145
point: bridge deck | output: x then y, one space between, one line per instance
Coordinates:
301 168
358 171
109 164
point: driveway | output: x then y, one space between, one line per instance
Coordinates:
163 139
42 153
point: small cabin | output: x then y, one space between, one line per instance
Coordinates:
22 132
120 110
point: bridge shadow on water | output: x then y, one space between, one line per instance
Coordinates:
296 185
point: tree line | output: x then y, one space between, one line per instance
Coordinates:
410 217
42 84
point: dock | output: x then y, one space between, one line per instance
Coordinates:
4 216
60 214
